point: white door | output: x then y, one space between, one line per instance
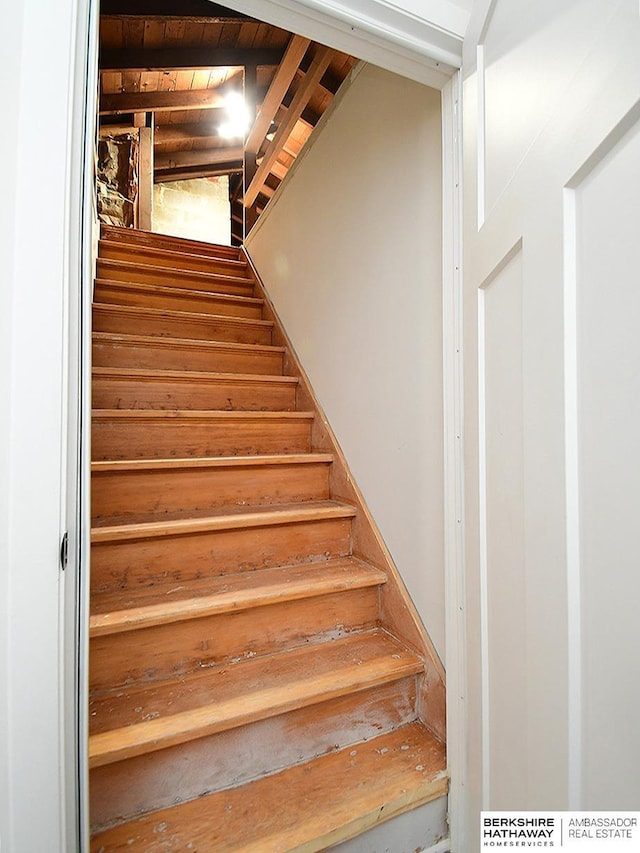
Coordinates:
551 271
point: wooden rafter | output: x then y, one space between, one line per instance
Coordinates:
204 156
313 76
190 172
170 58
186 132
140 102
294 53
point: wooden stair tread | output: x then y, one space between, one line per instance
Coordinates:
185 343
193 375
304 809
134 268
228 518
136 236
171 258
209 462
165 289
194 415
184 316
159 605
127 722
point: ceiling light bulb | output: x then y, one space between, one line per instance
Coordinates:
238 118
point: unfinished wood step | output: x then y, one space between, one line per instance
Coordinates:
141 273
144 352
176 299
138 720
123 388
135 786
134 238
127 557
142 490
133 610
156 256
230 518
303 809
131 434
183 635
134 320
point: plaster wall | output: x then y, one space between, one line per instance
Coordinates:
350 252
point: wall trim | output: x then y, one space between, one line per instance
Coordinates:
384 35
453 408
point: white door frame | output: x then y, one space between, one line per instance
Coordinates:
424 54
81 236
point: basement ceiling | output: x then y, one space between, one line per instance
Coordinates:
171 65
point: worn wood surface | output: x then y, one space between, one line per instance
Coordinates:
176 298
132 721
235 757
227 280
136 320
122 388
135 434
327 800
172 488
239 591
165 260
162 353
135 239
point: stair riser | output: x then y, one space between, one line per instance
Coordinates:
169 651
234 757
167 438
216 329
220 281
134 239
127 565
164 356
191 394
178 261
113 294
138 495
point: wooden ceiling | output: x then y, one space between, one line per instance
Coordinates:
169 65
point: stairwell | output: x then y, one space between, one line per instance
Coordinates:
259 678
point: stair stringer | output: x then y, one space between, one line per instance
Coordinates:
397 609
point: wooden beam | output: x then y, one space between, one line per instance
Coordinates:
191 172
139 102
203 156
145 179
317 68
294 53
180 58
167 134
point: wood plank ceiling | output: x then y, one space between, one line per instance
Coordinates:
170 65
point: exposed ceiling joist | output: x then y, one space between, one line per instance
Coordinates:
171 58
293 55
188 173
202 156
317 68
172 133
139 102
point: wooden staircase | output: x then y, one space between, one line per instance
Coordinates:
259 678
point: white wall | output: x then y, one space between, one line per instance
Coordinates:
350 252
32 312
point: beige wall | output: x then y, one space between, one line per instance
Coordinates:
350 251
196 209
